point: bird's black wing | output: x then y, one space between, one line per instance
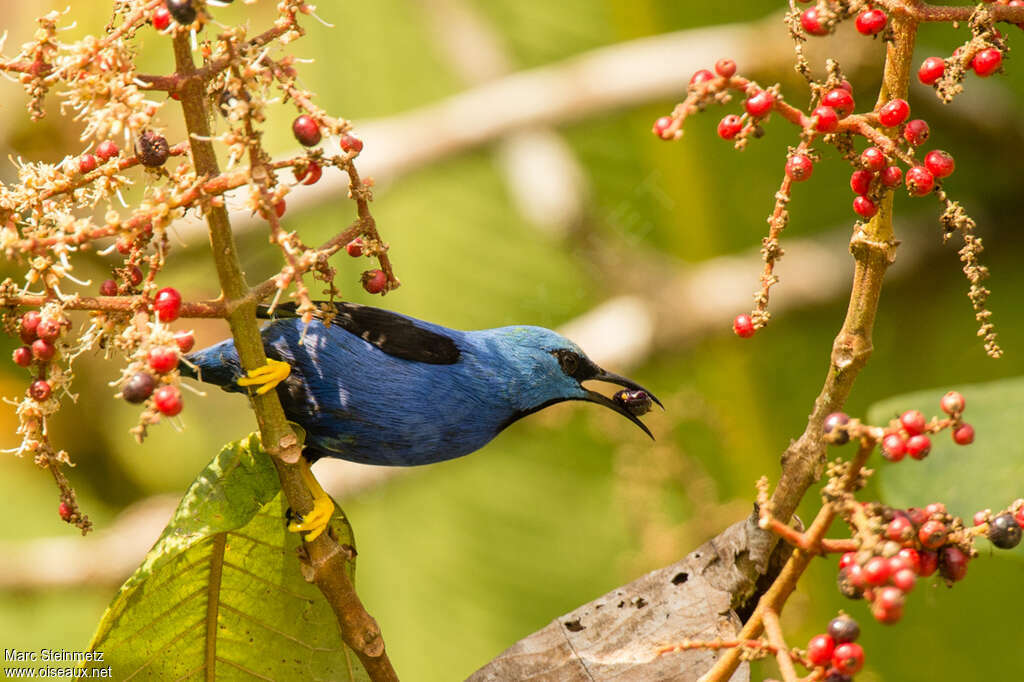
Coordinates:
392 333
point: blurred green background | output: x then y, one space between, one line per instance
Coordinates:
459 560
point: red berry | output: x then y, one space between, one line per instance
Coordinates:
49 329
904 579
22 356
889 598
987 62
826 119
124 245
354 144
981 517
847 559
931 70
872 159
892 176
43 350
952 403
29 323
185 340
940 163
964 435
86 163
161 18
848 658
743 326
40 390
839 99
934 508
167 304
168 400
374 281
893 113
932 534
860 181
135 275
864 207
730 126
871 22
884 614
929 562
899 529
279 208
855 574
659 128
799 167
811 23
876 571
911 557
953 564
916 132
355 247
310 174
913 422
920 181
163 359
726 68
108 288
894 448
107 150
919 446
819 649
306 131
701 76
759 103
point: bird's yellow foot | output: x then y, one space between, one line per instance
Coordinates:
266 377
315 521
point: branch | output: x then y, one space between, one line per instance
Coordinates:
358 629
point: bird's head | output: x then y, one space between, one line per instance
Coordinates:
552 369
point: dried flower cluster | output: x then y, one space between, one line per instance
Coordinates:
58 210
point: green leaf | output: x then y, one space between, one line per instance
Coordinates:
989 473
221 595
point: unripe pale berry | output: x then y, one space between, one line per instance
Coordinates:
940 163
167 399
306 131
730 126
916 132
952 403
964 434
920 181
893 113
743 326
931 70
871 22
987 62
799 167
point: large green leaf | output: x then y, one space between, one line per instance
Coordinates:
220 595
989 473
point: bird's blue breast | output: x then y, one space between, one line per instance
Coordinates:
362 404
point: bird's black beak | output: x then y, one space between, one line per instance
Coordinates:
595 397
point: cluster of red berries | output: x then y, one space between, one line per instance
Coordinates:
915 544
837 651
105 151
161 361
39 334
869 22
984 63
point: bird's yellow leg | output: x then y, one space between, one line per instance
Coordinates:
314 522
266 377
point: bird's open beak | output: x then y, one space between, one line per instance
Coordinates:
595 397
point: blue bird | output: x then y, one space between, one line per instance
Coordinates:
377 387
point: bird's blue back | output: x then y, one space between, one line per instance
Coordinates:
363 404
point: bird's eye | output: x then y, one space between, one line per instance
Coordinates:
569 361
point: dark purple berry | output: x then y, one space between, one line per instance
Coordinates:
182 11
1004 531
152 149
834 428
635 402
138 388
843 629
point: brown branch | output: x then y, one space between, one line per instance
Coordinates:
328 562
923 12
773 630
